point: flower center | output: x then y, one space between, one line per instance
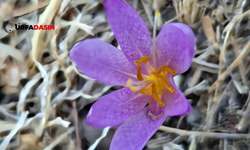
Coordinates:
153 84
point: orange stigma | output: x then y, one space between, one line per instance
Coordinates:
153 84
139 76
143 60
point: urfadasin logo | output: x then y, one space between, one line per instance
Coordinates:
8 26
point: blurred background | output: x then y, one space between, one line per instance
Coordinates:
44 99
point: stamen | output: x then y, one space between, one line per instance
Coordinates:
139 83
128 84
136 86
168 69
165 83
155 96
143 60
139 76
143 86
157 15
149 67
147 82
144 92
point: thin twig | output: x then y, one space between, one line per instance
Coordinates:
205 134
78 141
75 114
236 62
30 8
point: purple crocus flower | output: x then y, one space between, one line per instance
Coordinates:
145 68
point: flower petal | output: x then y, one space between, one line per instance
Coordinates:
136 131
103 62
175 47
116 107
130 30
176 103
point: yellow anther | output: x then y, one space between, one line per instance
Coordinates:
165 83
156 97
144 92
158 14
143 60
151 84
139 76
128 84
168 69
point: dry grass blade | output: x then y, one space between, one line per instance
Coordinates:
59 139
208 29
8 50
30 8
38 44
5 9
17 127
236 62
205 134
